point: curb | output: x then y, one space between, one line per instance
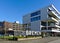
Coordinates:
29 38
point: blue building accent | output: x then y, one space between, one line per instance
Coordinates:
35 18
36 13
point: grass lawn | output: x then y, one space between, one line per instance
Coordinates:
11 38
5 37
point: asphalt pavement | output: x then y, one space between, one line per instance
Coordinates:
55 41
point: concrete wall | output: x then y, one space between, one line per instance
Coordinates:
44 14
26 19
35 26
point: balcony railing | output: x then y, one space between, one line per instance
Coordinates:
50 30
51 18
54 26
57 26
53 13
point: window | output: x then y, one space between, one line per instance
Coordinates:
35 13
1 24
35 18
43 23
13 25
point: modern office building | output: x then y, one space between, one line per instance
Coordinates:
43 20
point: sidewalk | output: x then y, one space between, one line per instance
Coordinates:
29 38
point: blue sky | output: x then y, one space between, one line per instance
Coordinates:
12 10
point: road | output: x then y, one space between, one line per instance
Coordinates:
56 41
43 40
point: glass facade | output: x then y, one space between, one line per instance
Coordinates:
35 18
35 13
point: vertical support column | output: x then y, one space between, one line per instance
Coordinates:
40 27
47 27
41 30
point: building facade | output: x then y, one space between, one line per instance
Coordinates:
9 27
43 20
